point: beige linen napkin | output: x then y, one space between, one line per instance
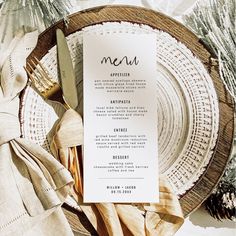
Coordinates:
33 184
162 219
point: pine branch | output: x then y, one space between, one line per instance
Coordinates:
214 21
38 14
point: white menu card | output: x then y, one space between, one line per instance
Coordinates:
120 118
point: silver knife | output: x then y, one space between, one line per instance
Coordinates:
66 70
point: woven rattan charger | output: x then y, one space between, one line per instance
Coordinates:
196 194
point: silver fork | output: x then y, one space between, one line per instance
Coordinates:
51 90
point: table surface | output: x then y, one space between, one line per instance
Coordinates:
199 223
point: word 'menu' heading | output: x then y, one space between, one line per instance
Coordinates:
116 61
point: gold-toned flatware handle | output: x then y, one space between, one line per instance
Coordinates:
76 169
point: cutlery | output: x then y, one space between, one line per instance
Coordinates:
68 83
51 90
66 70
43 82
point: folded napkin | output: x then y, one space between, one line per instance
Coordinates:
33 184
114 219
